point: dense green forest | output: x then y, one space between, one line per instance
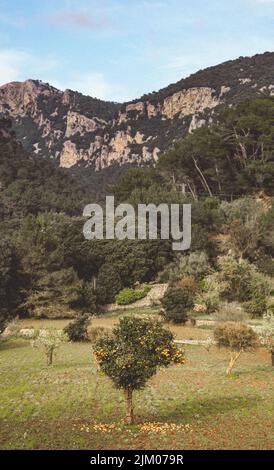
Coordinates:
233 157
47 268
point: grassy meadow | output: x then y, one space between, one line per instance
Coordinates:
70 405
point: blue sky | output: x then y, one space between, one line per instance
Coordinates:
119 49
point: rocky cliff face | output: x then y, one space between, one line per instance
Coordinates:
78 130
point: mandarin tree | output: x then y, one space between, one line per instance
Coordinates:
133 353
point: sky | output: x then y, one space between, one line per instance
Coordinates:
120 49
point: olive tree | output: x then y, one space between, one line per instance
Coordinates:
267 334
237 338
133 353
49 341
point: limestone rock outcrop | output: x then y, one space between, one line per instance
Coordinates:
79 130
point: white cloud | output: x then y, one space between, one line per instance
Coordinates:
76 18
11 63
92 84
15 63
80 18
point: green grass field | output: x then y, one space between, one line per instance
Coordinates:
69 405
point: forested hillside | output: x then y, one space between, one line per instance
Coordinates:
48 269
232 157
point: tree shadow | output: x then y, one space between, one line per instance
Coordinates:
259 368
199 408
13 344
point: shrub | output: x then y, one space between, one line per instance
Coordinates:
77 330
195 264
128 296
270 309
244 237
258 294
236 337
176 304
234 278
189 283
97 332
265 264
231 313
256 307
240 281
267 332
209 294
211 300
242 209
12 328
133 353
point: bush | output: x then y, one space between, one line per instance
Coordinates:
209 294
177 303
270 310
267 332
77 330
189 283
236 337
244 237
97 332
256 307
195 264
128 296
12 328
231 313
234 278
241 209
265 264
241 282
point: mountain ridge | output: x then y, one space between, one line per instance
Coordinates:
77 130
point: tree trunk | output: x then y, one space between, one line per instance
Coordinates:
203 179
193 192
129 406
234 356
218 178
241 257
49 357
272 358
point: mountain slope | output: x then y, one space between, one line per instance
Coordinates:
79 130
30 186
